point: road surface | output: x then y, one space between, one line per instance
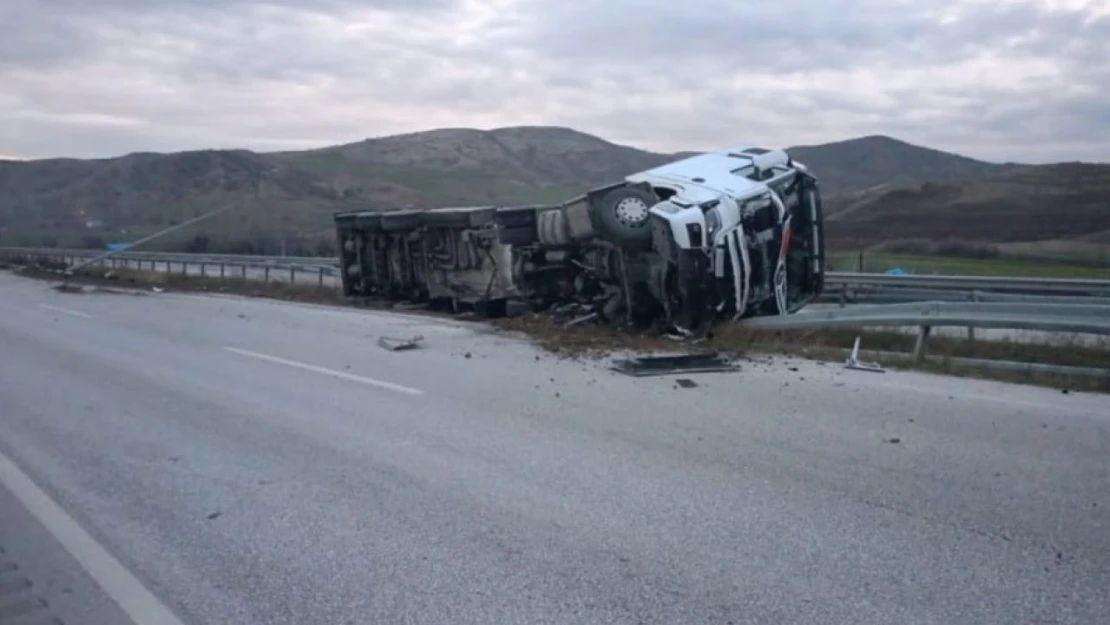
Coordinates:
228 460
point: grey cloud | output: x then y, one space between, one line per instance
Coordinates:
665 75
792 35
41 33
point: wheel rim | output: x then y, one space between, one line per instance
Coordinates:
631 211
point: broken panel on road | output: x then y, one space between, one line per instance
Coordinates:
644 366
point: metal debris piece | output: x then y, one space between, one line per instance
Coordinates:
853 361
669 365
686 383
580 320
397 345
67 287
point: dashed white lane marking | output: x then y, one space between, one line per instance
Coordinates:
68 311
325 371
127 591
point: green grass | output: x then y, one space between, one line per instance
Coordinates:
1001 266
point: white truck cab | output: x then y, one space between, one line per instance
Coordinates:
737 214
720 235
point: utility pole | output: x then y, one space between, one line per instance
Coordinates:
160 233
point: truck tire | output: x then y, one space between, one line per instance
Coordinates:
622 215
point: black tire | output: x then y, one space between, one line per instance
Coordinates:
622 215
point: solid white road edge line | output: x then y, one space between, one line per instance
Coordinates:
68 311
332 372
127 591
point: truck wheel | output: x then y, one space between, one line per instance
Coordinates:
623 215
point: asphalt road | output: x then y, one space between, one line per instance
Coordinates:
259 462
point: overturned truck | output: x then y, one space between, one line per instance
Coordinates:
716 236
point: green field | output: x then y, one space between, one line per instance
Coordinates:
946 265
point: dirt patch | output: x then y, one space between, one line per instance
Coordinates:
68 287
584 340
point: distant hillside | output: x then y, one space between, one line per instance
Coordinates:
522 164
1016 204
91 202
857 164
873 187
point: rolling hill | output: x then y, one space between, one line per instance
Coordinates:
1015 204
877 189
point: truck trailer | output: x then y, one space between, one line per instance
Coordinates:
721 235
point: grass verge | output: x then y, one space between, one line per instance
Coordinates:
1001 266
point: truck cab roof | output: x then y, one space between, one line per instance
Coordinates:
741 171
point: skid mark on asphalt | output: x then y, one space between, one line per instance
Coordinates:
127 591
67 311
304 366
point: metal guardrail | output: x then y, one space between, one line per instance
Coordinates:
969 283
845 288
1083 318
858 285
1071 318
1042 304
286 269
236 259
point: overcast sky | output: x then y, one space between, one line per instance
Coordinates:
1024 80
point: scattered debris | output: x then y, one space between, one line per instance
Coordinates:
894 441
214 515
854 362
686 383
66 287
467 355
241 316
397 345
157 289
580 320
668 365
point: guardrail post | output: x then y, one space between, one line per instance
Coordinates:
971 329
221 271
203 270
244 271
292 275
184 268
321 281
921 345
266 274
